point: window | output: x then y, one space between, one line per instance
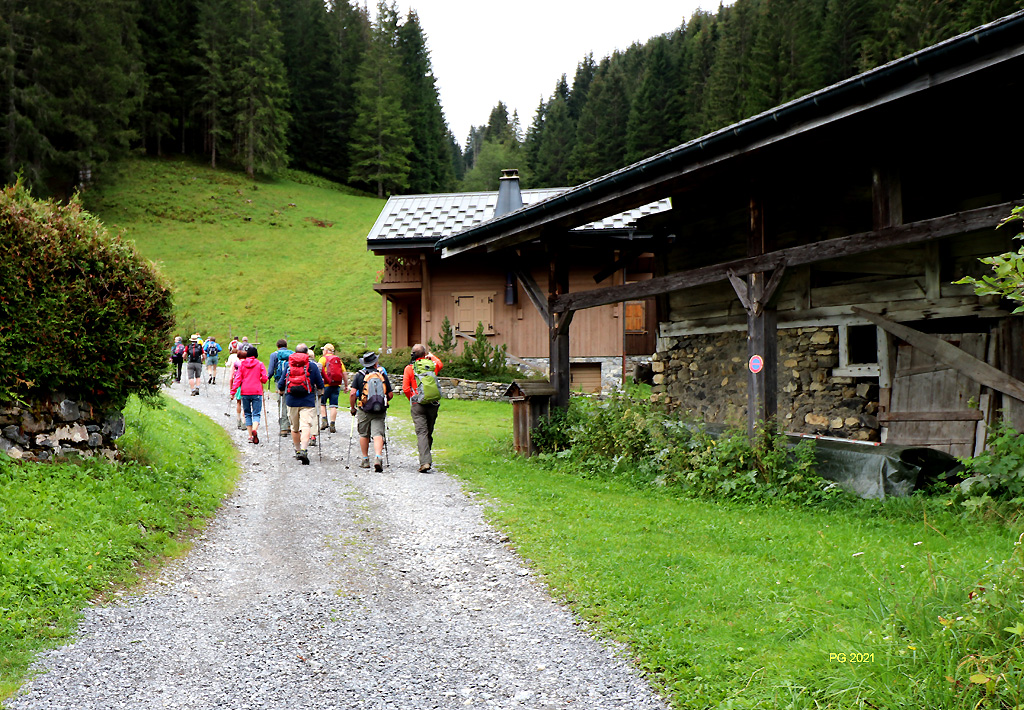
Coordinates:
636 317
858 351
473 308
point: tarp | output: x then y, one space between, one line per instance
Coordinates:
872 470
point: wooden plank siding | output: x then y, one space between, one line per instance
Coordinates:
593 333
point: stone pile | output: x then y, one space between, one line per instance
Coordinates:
58 427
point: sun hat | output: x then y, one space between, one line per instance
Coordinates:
194 338
328 346
369 359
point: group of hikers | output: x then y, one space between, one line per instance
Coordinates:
309 392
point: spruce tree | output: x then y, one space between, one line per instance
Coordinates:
428 130
349 25
380 144
215 51
651 126
599 148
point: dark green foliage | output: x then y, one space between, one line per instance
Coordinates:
652 119
625 438
994 479
479 359
380 149
81 312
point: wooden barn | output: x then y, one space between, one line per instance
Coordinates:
806 268
419 290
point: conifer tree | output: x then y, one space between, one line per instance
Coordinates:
428 130
349 25
652 117
380 145
599 148
214 57
699 44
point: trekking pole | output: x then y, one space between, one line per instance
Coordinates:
319 441
266 424
351 426
387 456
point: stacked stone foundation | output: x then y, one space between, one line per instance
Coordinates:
58 427
706 375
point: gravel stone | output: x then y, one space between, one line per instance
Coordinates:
326 587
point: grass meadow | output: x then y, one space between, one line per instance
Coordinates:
266 258
72 533
737 606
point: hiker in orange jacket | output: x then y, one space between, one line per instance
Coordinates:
424 413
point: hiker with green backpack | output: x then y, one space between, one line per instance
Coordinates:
420 386
370 392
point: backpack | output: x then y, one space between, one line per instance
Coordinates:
373 397
298 384
333 370
195 352
428 389
179 350
282 363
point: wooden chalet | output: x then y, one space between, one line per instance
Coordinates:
806 267
419 290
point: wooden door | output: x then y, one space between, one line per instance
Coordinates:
585 377
932 404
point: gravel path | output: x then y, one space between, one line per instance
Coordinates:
325 587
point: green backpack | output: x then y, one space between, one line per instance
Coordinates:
428 391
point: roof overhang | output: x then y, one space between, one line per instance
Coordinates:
661 175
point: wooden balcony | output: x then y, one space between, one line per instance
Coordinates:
400 273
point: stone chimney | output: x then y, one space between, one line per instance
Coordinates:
509 197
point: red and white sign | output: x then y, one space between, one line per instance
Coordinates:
756 363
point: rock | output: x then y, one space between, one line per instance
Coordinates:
863 389
113 425
15 452
851 422
95 440
836 423
68 411
816 420
822 337
14 434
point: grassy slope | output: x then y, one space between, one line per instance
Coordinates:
245 256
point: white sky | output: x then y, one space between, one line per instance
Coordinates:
486 51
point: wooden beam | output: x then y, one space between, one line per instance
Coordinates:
531 288
961 415
624 261
968 365
914 233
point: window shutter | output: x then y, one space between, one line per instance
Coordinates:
465 312
636 317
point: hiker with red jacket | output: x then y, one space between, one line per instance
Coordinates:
371 392
249 379
419 384
300 385
335 377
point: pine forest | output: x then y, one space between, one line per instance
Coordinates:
262 85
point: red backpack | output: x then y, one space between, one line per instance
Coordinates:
298 384
333 370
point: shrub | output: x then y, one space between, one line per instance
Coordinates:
626 438
82 312
995 478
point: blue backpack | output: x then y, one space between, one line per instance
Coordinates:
282 363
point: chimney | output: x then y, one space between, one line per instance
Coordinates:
509 197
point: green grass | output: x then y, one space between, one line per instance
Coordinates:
739 606
248 257
73 532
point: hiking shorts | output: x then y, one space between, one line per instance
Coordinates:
195 370
301 418
330 396
212 359
370 426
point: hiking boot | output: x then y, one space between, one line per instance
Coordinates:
241 424
378 465
324 423
332 428
424 467
364 462
303 456
312 441
286 432
255 437
195 392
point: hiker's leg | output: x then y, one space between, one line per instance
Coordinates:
257 409
377 432
420 419
306 415
363 427
293 423
282 413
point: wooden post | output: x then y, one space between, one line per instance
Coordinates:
383 323
762 343
558 359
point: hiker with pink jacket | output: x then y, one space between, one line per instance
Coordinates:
249 379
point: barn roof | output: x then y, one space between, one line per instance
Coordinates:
660 175
421 220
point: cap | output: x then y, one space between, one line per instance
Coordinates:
328 346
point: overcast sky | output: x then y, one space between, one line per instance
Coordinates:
486 51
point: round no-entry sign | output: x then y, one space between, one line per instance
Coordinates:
756 363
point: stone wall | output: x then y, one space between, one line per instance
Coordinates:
43 430
706 375
456 388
